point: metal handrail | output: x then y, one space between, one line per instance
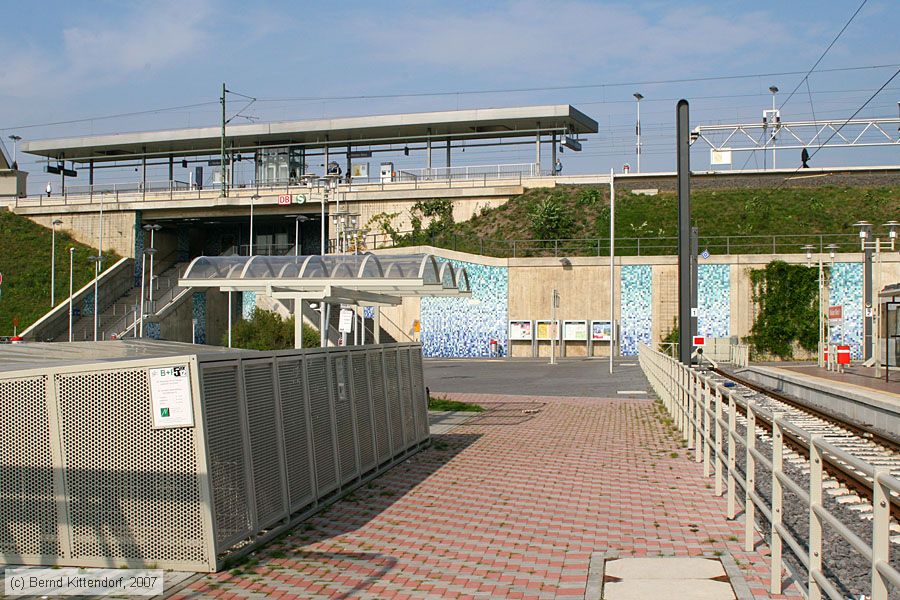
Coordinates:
698 406
638 246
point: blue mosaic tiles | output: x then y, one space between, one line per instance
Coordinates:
138 247
248 305
714 300
199 317
152 331
464 327
637 307
845 288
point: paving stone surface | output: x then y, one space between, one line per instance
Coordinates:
510 504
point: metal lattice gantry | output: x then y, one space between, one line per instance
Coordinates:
763 135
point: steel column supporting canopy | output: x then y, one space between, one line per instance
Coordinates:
682 117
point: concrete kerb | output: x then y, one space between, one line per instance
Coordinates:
597 572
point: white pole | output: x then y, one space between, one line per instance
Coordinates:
324 202
143 279
250 252
229 318
53 266
71 270
553 327
296 237
152 231
639 135
612 267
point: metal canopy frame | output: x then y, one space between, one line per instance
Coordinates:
359 279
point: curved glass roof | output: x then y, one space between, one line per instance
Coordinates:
407 274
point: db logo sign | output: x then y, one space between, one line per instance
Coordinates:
285 199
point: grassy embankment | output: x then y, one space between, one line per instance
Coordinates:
743 212
25 249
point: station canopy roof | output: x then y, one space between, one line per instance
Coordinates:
369 130
363 279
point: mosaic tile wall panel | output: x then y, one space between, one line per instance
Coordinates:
248 304
152 331
138 247
714 300
464 327
636 303
199 317
845 288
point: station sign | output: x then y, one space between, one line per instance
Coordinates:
285 199
699 341
299 198
835 313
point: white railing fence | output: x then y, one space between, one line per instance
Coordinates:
705 413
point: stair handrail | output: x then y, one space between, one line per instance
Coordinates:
57 318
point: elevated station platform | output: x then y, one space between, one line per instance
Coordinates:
856 393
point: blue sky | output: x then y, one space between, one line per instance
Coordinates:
66 61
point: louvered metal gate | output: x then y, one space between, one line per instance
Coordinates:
87 480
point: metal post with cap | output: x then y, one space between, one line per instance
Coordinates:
53 263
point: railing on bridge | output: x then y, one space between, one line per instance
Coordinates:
625 246
415 179
705 413
474 172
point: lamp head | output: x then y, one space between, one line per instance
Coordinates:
57 222
892 229
831 249
808 248
864 228
638 96
773 89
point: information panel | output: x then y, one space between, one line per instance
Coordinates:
521 330
170 397
575 331
547 330
601 331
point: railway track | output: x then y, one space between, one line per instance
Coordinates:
850 486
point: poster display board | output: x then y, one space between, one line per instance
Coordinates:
521 330
547 330
170 397
575 331
601 331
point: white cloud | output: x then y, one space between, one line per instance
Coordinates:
570 37
112 48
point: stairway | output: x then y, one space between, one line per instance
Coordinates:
121 313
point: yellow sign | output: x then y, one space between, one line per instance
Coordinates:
417 326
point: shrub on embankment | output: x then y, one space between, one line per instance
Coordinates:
582 212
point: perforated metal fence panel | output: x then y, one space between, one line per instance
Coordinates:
379 405
362 403
27 506
295 424
227 465
266 447
94 474
320 407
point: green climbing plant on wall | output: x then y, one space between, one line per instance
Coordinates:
786 298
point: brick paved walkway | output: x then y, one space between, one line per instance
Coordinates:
509 505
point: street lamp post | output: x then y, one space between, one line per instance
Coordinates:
297 220
53 263
15 140
253 199
152 229
71 273
637 129
774 90
148 252
872 247
96 260
809 250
